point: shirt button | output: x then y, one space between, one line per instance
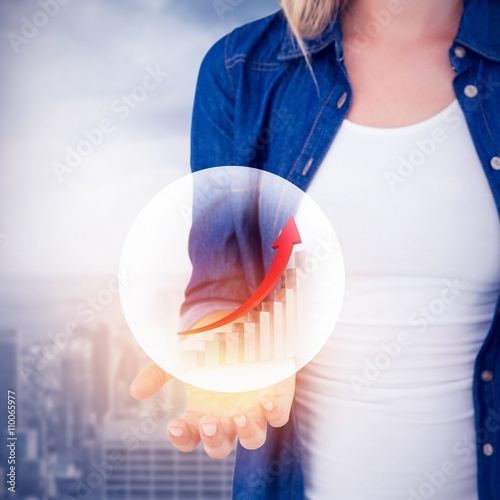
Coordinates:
488 449
342 100
495 163
486 376
459 51
470 91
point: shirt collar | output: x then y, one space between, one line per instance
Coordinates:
480 28
291 50
479 31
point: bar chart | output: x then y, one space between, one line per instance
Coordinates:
269 332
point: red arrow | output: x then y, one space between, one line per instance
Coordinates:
285 242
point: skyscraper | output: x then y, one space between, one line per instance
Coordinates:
8 381
8 359
141 464
101 338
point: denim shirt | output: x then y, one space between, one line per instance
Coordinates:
257 105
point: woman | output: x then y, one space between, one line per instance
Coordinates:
386 112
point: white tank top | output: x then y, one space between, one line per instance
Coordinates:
385 411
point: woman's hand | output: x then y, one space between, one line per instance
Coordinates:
217 417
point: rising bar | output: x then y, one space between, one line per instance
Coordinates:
277 328
287 298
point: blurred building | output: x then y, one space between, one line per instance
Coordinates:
8 359
101 345
8 381
141 464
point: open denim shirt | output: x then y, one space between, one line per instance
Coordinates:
257 105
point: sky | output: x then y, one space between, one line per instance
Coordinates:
72 70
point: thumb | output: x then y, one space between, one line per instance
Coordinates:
149 381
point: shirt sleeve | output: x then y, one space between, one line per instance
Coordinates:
212 126
218 243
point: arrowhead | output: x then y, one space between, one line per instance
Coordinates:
289 236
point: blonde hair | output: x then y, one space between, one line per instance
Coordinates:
309 18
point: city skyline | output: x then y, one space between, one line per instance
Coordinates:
77 413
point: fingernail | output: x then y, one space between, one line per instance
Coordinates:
209 429
135 385
240 420
268 405
176 431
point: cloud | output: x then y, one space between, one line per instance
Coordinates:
212 12
61 84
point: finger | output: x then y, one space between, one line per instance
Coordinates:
149 381
183 435
276 409
217 439
250 429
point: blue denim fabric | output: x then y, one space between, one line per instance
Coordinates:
257 105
